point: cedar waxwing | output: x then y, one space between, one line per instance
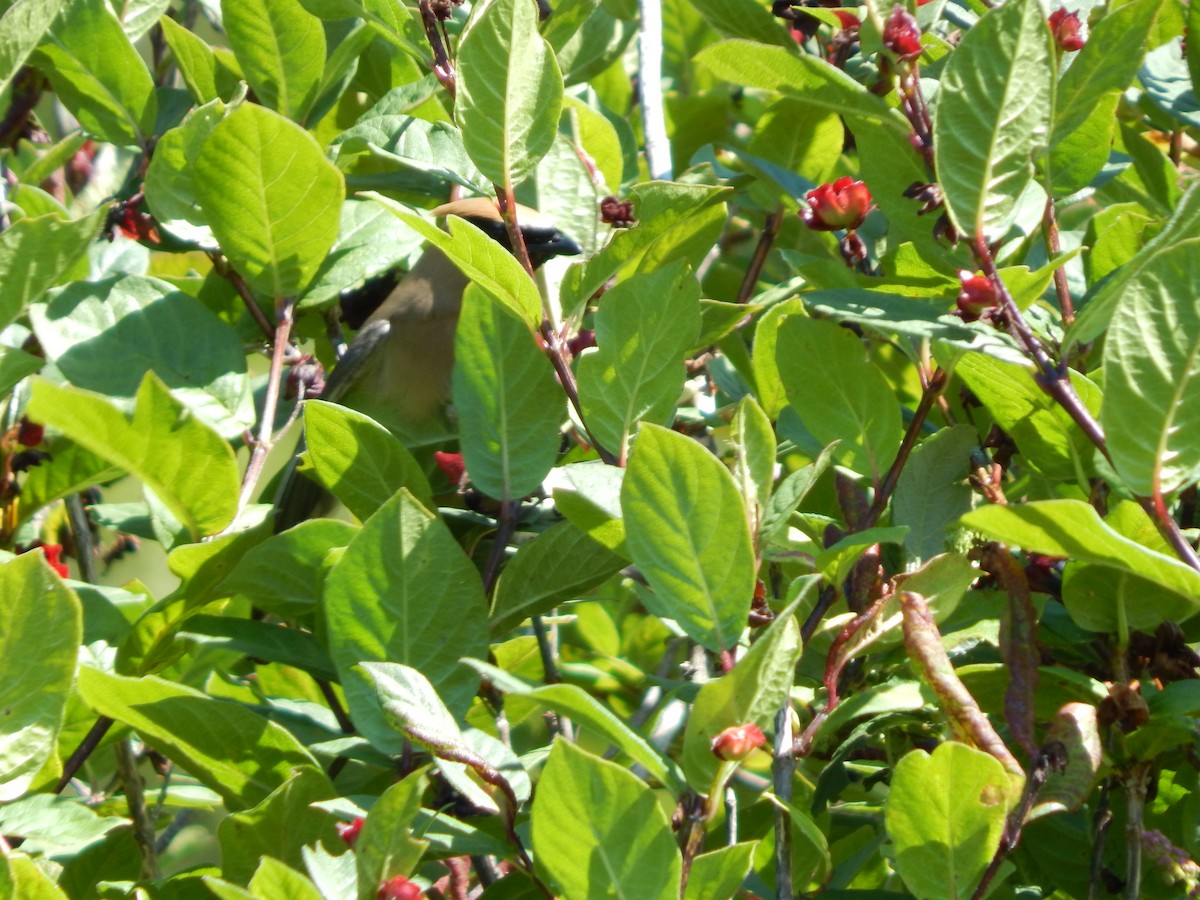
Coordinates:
398 367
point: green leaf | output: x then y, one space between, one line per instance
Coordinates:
236 752
262 641
932 491
21 29
195 59
637 372
1102 600
719 873
573 702
281 49
598 831
27 880
992 115
271 198
686 529
752 693
591 501
560 564
838 394
1182 226
187 465
744 19
1079 156
808 79
275 879
487 264
284 574
35 253
1045 434
400 590
1151 410
106 336
41 627
509 91
358 459
790 493
667 213
279 826
55 826
98 75
370 242
509 405
1096 71
945 813
1168 85
171 191
1072 528
387 846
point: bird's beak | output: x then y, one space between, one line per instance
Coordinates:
561 245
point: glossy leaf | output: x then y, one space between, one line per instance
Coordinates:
932 491
509 406
106 336
1151 411
233 751
598 830
387 845
752 693
686 530
945 813
281 48
36 252
992 116
21 29
271 198
400 589
40 630
637 372
508 111
358 459
559 565
98 75
1072 528
837 395
188 465
279 826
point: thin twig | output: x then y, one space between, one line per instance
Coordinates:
885 490
221 267
1053 379
1053 249
783 773
765 241
81 533
85 749
654 123
285 314
1136 783
143 828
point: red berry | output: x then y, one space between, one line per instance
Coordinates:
842 204
348 831
902 34
30 434
737 741
53 554
399 888
1065 26
976 296
452 466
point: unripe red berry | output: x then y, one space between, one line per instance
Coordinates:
30 434
1065 27
348 831
452 466
976 296
736 742
399 888
902 34
842 204
53 554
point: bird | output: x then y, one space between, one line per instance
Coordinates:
398 367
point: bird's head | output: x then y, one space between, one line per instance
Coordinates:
543 239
